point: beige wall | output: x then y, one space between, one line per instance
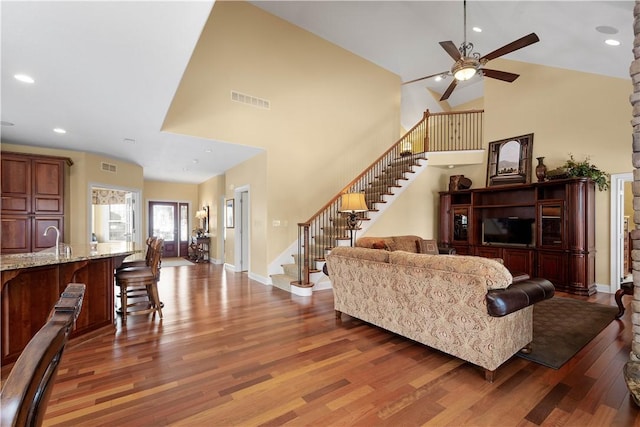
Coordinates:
162 191
211 193
251 176
326 121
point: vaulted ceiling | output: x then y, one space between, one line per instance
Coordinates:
106 72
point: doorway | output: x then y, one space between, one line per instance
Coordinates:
170 221
242 209
113 216
621 225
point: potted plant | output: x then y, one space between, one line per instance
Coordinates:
585 169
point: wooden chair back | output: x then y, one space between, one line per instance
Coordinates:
156 258
26 391
150 241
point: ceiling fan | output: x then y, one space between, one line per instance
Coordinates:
468 63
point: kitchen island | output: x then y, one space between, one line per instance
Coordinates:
33 282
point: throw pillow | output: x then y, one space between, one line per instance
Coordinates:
380 245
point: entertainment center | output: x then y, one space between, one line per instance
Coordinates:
544 229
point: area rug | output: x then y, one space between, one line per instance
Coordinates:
562 326
175 262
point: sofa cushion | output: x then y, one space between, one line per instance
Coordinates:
379 244
395 243
361 253
406 243
428 246
495 274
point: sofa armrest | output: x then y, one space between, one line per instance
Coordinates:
519 295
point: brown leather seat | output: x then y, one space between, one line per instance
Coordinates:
26 391
144 280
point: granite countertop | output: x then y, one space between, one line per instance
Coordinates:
78 253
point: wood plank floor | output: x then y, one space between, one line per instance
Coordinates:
233 352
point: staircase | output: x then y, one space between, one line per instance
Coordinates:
381 183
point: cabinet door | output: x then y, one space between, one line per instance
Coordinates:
48 186
553 267
39 224
488 252
552 229
460 220
518 260
16 234
16 184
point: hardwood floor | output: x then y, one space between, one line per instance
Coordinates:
231 351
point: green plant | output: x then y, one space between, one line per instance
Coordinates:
585 169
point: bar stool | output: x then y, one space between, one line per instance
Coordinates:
144 279
138 293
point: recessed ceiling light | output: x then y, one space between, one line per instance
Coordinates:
129 140
438 78
3 123
477 29
208 150
612 42
24 78
59 130
194 161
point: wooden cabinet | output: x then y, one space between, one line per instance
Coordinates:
32 199
543 229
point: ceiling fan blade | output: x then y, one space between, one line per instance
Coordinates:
451 49
447 93
445 73
500 75
514 45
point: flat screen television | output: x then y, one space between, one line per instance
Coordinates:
508 230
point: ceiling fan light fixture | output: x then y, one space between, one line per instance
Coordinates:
465 73
464 69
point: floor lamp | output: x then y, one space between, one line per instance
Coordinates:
351 204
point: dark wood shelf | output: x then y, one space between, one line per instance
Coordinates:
563 243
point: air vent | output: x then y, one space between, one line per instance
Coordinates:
250 100
108 167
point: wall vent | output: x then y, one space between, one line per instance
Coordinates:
242 98
108 167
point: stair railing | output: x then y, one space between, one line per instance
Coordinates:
451 131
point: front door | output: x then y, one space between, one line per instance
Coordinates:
163 223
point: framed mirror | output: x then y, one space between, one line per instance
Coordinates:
509 161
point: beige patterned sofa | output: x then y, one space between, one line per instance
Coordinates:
442 301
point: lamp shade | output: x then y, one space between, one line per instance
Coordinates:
353 202
201 214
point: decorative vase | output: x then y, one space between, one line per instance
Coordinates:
541 169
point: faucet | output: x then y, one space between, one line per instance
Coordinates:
46 230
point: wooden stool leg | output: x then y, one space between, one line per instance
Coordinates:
156 298
123 303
